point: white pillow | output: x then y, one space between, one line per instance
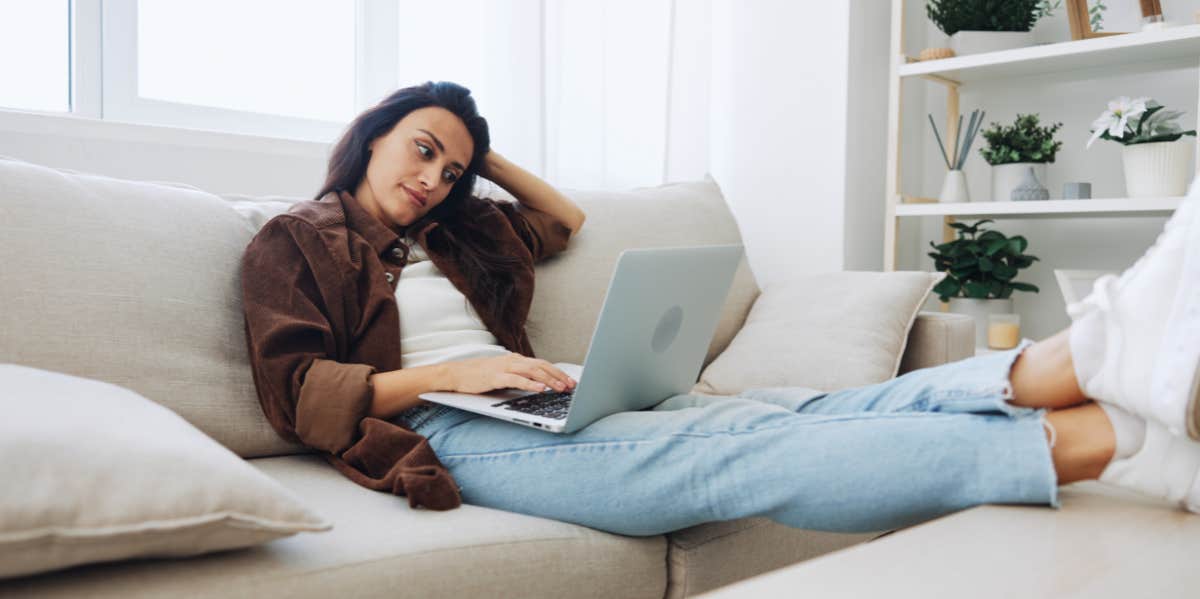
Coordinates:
826 332
91 472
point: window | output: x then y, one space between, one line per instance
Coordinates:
580 93
297 69
35 72
275 68
286 57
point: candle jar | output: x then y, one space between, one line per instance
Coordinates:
1004 331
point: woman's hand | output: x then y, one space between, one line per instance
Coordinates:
491 165
530 190
511 371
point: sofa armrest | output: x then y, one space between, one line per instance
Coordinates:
938 338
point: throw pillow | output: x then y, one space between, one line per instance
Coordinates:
825 331
95 472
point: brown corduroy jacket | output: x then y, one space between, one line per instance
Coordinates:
318 290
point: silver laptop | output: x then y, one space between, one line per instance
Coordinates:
658 318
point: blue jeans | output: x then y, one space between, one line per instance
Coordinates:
873 458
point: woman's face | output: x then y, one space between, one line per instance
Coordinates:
413 167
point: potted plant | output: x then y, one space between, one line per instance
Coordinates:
976 26
980 268
1014 149
1155 154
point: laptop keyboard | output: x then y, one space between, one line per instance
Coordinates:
547 404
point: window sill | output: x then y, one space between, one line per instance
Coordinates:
74 126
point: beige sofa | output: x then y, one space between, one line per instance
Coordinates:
136 284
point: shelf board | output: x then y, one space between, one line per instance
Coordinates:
1172 46
1045 209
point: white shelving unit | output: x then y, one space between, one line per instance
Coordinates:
1046 209
1071 60
1176 46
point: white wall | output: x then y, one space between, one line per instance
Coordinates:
1079 243
798 128
689 91
777 130
866 133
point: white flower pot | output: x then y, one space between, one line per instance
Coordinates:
979 310
954 188
1006 177
977 42
1159 169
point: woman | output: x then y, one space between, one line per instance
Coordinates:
395 280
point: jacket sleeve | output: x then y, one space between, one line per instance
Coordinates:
290 290
541 232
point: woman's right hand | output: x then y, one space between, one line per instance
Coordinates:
510 371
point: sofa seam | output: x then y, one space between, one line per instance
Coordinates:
330 569
718 537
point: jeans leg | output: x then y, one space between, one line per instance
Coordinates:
974 385
654 471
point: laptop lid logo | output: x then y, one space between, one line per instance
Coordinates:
667 329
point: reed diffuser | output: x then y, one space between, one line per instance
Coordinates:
954 188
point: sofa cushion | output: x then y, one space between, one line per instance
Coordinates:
571 286
94 472
938 338
135 284
825 331
379 547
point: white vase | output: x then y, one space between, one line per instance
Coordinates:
954 188
977 42
1006 178
1158 169
979 310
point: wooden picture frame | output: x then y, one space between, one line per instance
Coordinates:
1081 23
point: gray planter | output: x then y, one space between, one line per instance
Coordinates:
1006 178
1030 189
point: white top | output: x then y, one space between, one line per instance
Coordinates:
437 323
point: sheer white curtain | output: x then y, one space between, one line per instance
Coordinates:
595 95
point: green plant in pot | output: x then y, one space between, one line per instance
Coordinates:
1014 149
976 26
981 266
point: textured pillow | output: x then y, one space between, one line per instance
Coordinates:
571 286
825 332
95 472
136 284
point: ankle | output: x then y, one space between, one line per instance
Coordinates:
1043 375
1084 442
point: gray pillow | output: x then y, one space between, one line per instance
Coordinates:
95 472
823 331
136 284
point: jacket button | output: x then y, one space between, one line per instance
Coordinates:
390 278
398 252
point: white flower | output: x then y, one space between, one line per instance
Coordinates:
1117 117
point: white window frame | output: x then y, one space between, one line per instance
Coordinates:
104 74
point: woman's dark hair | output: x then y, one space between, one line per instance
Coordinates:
461 231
